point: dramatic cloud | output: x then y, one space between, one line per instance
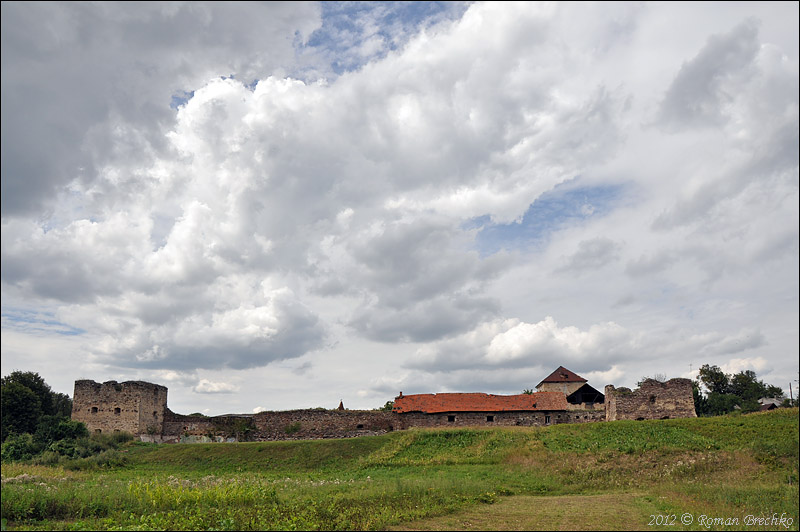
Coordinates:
283 205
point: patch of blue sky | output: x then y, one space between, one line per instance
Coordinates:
180 98
36 322
354 33
566 205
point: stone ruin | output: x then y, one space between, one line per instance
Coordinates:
140 408
652 400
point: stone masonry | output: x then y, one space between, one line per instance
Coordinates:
137 407
652 400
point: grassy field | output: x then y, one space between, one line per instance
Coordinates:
597 476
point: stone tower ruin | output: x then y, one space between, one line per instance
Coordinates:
137 407
651 400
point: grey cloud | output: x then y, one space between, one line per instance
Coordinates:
73 73
422 321
592 254
646 265
421 281
771 167
698 94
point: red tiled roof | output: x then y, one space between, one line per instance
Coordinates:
430 403
562 374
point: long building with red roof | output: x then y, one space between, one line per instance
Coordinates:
526 409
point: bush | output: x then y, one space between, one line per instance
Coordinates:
105 459
19 447
55 428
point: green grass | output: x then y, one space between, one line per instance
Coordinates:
605 475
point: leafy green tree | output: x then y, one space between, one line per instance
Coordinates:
726 393
35 383
387 407
746 385
722 403
528 391
62 405
714 379
21 409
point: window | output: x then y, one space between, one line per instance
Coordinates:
451 419
155 414
94 410
490 419
546 420
97 431
652 399
117 411
359 426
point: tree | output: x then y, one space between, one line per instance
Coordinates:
387 407
62 405
26 398
726 393
714 379
35 383
21 409
722 403
527 391
700 401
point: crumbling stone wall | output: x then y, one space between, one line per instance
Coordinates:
286 425
652 400
137 407
191 429
320 423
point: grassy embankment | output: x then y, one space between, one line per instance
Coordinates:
592 476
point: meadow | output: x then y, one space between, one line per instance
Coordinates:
624 475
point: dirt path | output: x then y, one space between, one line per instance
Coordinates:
574 512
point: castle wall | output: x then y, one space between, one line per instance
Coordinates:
652 400
317 423
286 425
141 408
192 429
133 406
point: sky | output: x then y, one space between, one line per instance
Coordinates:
271 206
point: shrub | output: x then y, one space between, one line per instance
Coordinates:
55 428
19 447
